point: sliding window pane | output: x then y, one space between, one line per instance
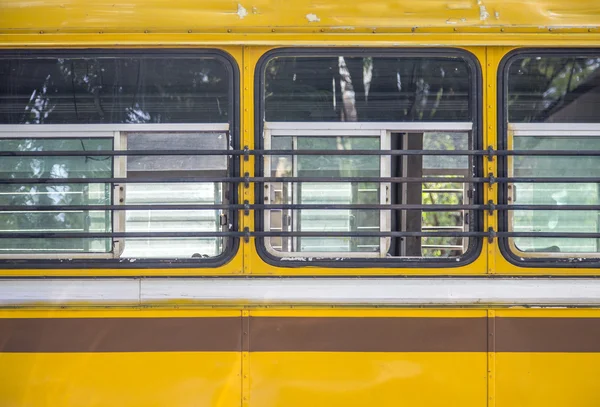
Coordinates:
162 192
63 220
556 221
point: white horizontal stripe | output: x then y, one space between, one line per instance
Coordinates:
90 128
537 127
304 291
58 291
392 126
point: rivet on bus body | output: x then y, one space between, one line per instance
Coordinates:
189 31
229 30
41 32
146 31
272 30
413 29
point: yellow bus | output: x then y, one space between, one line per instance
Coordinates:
367 203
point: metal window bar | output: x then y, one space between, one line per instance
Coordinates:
247 180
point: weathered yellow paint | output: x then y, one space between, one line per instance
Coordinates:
487 28
174 379
218 15
461 379
91 312
324 379
369 312
547 379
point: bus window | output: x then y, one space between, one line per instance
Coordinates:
124 105
335 204
552 102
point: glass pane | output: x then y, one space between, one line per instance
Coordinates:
55 195
444 193
178 193
327 220
556 194
367 89
104 89
562 89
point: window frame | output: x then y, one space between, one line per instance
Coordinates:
300 260
119 131
506 244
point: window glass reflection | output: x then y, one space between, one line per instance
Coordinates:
367 89
554 90
113 90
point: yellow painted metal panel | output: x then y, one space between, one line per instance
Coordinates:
547 379
371 313
120 379
232 267
117 313
255 265
548 313
464 37
367 379
163 15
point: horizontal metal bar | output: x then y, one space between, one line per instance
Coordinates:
371 152
548 153
549 180
50 208
142 180
119 153
133 235
426 208
371 179
153 207
115 235
517 207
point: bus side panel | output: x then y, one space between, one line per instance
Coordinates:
368 358
116 358
547 358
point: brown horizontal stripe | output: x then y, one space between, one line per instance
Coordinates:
120 334
547 334
304 334
300 334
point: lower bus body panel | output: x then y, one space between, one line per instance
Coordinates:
298 357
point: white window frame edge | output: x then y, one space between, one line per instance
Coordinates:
116 132
385 216
544 130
